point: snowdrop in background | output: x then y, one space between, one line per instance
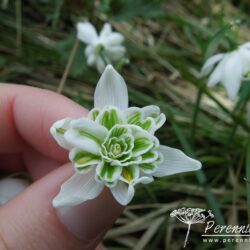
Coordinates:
101 50
115 146
228 68
105 48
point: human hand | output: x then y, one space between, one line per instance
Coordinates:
29 221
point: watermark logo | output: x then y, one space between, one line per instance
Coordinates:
191 216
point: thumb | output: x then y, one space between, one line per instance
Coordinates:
30 222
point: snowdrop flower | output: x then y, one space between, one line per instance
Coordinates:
10 187
231 68
103 49
115 146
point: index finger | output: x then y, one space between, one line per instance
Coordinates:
27 115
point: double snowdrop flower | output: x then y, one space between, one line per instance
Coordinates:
231 69
115 146
103 49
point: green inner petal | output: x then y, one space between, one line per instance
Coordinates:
141 145
94 113
150 156
134 118
137 119
107 171
82 158
148 167
129 172
110 118
118 131
83 169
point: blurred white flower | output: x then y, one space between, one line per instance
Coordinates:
115 146
10 187
232 67
103 49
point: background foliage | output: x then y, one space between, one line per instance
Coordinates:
167 43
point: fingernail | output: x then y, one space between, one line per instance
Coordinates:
91 219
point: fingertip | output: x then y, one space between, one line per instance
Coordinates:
34 113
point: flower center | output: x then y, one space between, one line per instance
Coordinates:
117 149
99 48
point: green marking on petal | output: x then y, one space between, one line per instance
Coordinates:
109 118
60 131
90 136
108 172
147 124
118 131
83 169
137 119
142 145
148 167
150 156
85 158
127 175
134 118
130 172
94 113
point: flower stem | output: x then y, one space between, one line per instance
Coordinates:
185 243
68 66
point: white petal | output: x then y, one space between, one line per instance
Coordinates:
217 74
151 110
245 59
115 53
143 180
89 50
91 60
59 137
90 127
79 188
114 39
111 90
209 64
232 75
123 193
174 162
100 65
86 32
86 135
106 30
10 187
245 46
